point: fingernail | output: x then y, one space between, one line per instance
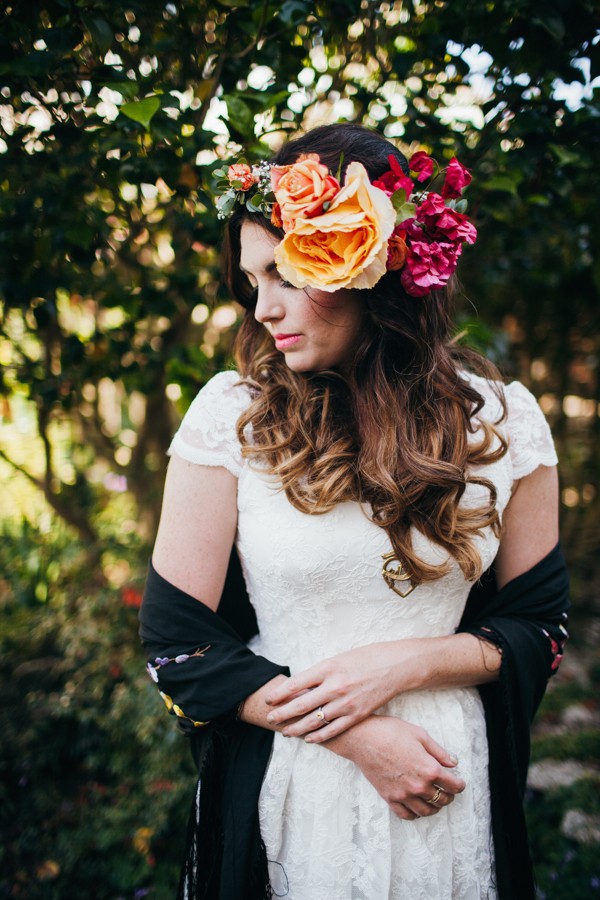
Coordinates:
270 717
453 760
285 733
309 739
269 701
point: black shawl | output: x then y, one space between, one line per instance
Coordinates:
204 669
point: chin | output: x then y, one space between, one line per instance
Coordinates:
298 364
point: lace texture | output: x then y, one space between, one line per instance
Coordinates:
207 435
316 585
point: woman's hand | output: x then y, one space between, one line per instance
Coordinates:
339 692
410 770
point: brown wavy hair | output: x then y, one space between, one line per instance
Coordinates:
393 432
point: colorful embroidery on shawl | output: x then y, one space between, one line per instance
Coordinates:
159 663
177 711
162 661
558 647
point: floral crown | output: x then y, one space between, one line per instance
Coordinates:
350 235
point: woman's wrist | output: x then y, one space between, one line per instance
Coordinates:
254 709
349 744
456 660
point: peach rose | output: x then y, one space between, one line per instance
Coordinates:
344 247
242 173
303 188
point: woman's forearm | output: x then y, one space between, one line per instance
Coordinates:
457 660
346 688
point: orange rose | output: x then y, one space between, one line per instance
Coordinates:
243 173
303 188
276 219
344 247
397 250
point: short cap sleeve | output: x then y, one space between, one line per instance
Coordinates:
530 440
207 435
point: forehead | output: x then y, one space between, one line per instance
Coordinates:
256 247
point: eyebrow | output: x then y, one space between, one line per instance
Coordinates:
270 267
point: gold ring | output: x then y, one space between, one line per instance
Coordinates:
436 796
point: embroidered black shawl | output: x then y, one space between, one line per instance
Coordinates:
204 669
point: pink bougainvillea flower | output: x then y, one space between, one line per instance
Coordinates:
445 224
457 179
429 265
430 209
455 227
423 164
394 179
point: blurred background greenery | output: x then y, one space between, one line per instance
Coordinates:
112 316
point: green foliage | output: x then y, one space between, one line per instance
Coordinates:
95 780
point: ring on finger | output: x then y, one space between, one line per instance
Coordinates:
436 796
321 716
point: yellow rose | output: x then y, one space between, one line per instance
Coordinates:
344 247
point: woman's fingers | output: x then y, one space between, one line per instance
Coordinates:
317 730
420 807
437 751
304 705
294 685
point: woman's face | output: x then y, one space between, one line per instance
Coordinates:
314 330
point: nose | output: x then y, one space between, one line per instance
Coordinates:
269 306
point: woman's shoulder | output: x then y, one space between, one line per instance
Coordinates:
208 432
516 413
498 395
225 387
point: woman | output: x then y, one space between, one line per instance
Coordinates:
367 478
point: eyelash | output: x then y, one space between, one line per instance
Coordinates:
282 282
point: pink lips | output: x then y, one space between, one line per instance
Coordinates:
284 341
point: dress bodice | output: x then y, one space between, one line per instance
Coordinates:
316 581
316 584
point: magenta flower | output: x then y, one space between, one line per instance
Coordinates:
421 163
430 209
457 179
445 224
429 265
394 179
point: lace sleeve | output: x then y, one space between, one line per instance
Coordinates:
530 441
207 435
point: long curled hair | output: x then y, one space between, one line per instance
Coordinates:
393 432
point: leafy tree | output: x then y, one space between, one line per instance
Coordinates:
109 241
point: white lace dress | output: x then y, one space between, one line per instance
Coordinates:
316 585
